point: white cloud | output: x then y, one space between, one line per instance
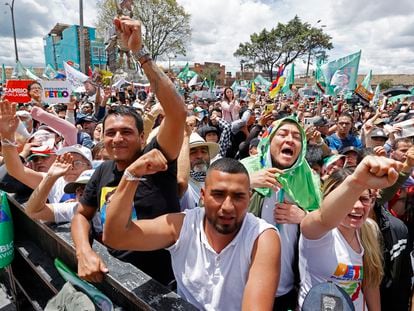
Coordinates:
383 30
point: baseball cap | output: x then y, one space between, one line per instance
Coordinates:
45 154
349 149
85 118
81 180
49 129
320 121
378 133
83 151
327 161
327 296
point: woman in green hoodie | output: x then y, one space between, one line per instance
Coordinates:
284 190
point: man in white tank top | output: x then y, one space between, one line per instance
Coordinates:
223 258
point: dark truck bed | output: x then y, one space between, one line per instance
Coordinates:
36 279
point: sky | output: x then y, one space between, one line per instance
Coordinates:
382 29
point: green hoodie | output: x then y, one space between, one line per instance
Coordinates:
298 181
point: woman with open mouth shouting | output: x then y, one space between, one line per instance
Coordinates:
338 243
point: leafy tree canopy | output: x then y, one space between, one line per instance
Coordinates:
282 45
166 24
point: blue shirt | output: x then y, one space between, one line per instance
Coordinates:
336 143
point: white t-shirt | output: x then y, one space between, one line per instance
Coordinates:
208 280
288 239
331 258
191 198
57 191
64 211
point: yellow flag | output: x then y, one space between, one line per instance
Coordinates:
277 88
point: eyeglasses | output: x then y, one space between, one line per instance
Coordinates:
35 88
38 158
78 164
365 200
344 123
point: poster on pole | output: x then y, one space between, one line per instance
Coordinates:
55 92
16 91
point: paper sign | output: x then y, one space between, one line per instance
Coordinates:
407 129
16 91
56 92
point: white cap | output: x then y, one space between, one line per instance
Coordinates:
83 151
81 180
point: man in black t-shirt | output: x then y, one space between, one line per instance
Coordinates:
123 137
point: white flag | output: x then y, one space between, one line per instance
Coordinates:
74 77
193 81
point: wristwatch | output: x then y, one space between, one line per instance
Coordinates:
142 56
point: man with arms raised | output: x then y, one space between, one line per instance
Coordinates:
222 257
123 138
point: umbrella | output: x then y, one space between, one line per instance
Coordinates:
398 90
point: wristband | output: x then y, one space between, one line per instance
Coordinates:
130 177
7 142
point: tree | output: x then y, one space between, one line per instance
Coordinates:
166 24
210 72
283 45
385 84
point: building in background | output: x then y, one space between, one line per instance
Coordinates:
61 44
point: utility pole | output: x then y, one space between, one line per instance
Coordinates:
310 50
81 39
14 28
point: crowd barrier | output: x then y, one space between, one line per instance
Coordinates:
33 279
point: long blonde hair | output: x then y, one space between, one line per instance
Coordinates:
371 239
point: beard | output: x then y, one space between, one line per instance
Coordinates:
199 166
224 228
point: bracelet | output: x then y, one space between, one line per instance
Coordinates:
142 56
146 59
130 177
8 142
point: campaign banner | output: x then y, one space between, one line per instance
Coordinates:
364 93
56 92
16 91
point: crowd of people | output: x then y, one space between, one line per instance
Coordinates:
236 203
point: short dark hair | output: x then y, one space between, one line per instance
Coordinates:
346 114
228 165
31 84
125 111
406 140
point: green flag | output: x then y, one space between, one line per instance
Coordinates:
6 232
319 77
235 85
366 83
183 73
262 82
341 74
290 80
18 71
3 74
49 72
